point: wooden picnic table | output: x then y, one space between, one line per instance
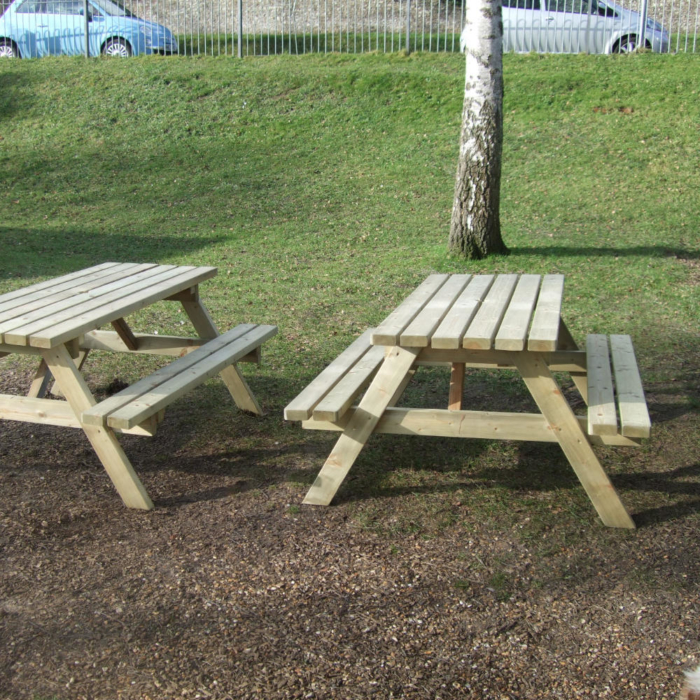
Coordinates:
59 321
495 322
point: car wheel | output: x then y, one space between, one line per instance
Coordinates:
8 49
627 44
117 47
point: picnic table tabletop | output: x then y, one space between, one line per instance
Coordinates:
478 312
50 313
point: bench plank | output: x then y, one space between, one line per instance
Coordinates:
146 405
634 414
301 408
389 331
421 329
341 396
602 418
98 414
513 331
544 334
450 332
154 393
482 330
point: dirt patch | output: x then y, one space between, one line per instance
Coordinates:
468 570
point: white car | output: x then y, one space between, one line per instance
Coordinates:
575 26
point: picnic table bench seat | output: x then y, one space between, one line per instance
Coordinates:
333 392
145 399
625 396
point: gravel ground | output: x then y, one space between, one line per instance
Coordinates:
230 589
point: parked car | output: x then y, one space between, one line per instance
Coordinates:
30 28
575 26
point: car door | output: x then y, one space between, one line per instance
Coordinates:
28 24
522 25
66 27
604 24
566 23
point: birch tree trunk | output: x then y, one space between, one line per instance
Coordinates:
475 231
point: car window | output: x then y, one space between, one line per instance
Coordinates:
113 8
570 6
522 4
605 11
64 7
34 7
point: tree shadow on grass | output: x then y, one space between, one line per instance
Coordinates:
36 252
20 102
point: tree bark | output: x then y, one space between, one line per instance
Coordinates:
475 230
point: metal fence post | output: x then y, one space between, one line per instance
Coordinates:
643 11
240 28
408 26
86 17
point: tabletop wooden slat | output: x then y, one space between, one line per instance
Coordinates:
482 330
450 332
512 335
46 302
18 330
421 329
389 331
544 334
47 285
134 297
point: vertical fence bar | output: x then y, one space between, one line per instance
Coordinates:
240 28
86 17
408 27
644 11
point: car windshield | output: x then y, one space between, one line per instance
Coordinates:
114 9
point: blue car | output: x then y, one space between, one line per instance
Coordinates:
31 28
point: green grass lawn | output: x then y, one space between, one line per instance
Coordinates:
321 188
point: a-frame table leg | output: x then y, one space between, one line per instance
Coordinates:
567 342
572 439
231 376
388 381
103 440
41 381
454 402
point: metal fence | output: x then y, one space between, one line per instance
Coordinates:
264 27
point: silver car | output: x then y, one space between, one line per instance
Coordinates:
575 26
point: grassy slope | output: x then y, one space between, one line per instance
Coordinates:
321 187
